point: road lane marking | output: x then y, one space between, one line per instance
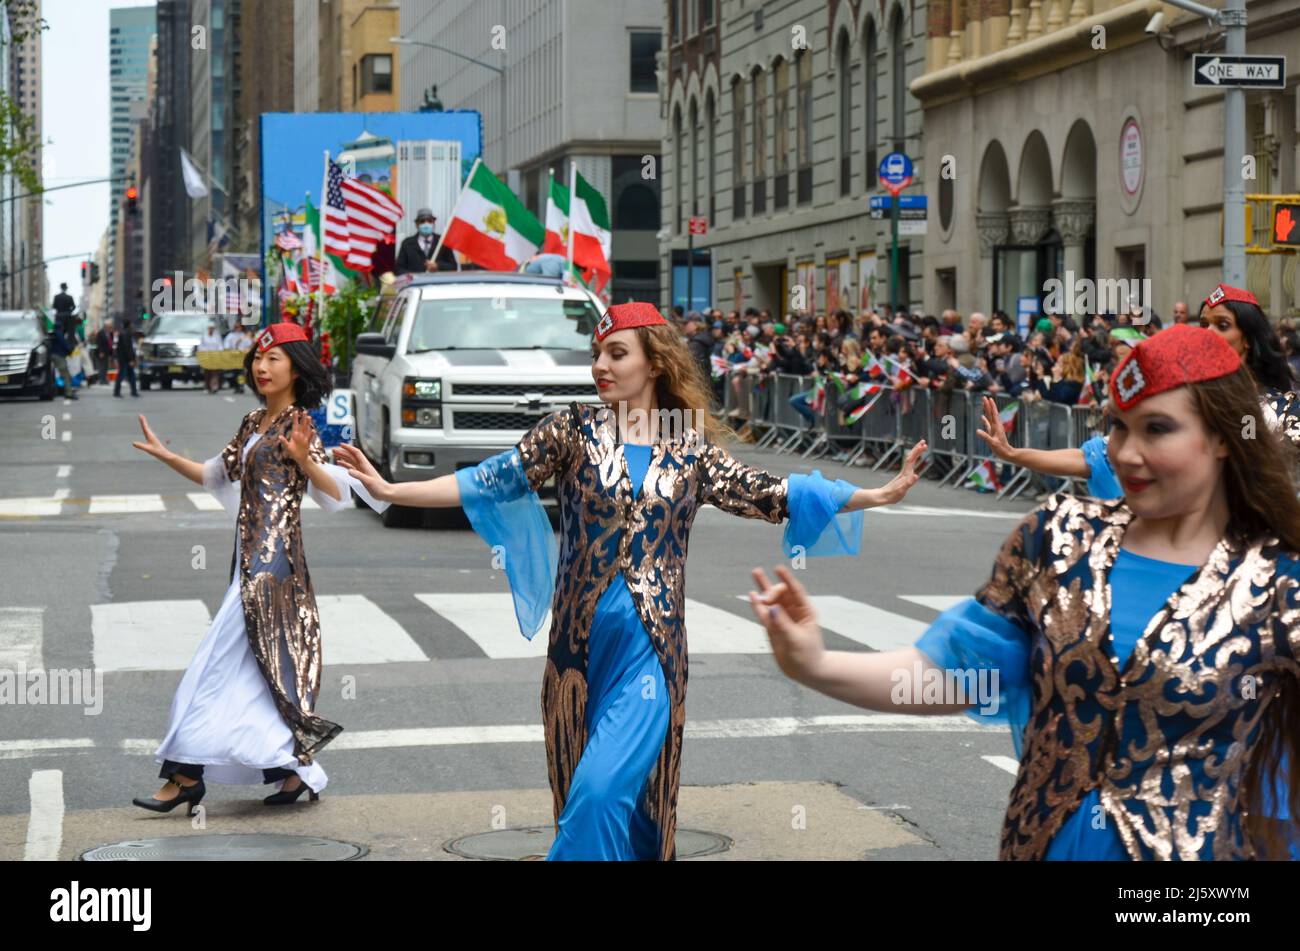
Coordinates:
871 626
22 631
45 821
355 630
64 472
125 504
147 635
1012 766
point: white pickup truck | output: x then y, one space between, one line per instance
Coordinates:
458 366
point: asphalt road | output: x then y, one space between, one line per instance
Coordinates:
111 563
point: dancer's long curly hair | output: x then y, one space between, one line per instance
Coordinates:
681 384
1261 502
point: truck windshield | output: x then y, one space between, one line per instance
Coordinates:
503 323
182 324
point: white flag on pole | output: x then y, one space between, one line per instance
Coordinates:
194 184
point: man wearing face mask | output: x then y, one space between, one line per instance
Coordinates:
416 253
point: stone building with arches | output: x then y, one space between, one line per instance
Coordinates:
776 116
1066 135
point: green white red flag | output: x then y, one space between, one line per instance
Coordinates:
490 226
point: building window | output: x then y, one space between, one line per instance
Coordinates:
871 94
675 20
803 135
781 118
760 142
376 73
637 209
737 149
644 48
710 166
679 172
706 13
846 117
899 67
695 159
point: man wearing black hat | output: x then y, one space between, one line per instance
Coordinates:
416 253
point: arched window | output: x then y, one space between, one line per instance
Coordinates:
679 169
737 148
781 132
871 98
759 84
898 65
695 159
711 137
804 131
846 115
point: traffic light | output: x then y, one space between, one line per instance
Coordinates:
1286 224
131 195
85 272
94 273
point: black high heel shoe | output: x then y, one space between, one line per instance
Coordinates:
283 798
190 794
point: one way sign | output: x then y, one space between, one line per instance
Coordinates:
1256 72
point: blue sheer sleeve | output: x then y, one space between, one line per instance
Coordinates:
816 524
969 636
506 512
1102 481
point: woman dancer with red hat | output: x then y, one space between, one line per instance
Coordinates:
630 478
1147 649
244 711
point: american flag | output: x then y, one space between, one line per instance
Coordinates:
286 240
357 217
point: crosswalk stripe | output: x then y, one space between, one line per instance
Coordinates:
355 630
204 502
942 512
711 630
45 821
20 749
876 628
30 507
937 602
125 504
21 634
489 621
147 635
1012 766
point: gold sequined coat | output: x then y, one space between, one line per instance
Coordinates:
604 529
280 615
1168 735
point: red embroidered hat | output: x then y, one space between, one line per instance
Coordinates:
276 334
1174 357
632 314
1225 292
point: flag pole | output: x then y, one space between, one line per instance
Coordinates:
454 208
320 224
573 192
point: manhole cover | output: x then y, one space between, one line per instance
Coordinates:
532 844
221 848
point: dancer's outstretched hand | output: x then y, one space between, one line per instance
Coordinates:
897 488
152 444
299 442
791 622
993 432
358 466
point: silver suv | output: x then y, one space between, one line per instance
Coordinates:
459 366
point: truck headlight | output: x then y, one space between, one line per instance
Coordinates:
422 403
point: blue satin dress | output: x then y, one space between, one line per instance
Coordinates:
628 703
970 635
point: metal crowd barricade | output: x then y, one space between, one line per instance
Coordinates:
877 431
789 427
951 432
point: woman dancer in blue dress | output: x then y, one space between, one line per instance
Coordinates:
630 478
1147 649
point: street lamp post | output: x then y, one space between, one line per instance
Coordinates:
499 70
1233 20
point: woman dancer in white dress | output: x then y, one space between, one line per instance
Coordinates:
244 710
